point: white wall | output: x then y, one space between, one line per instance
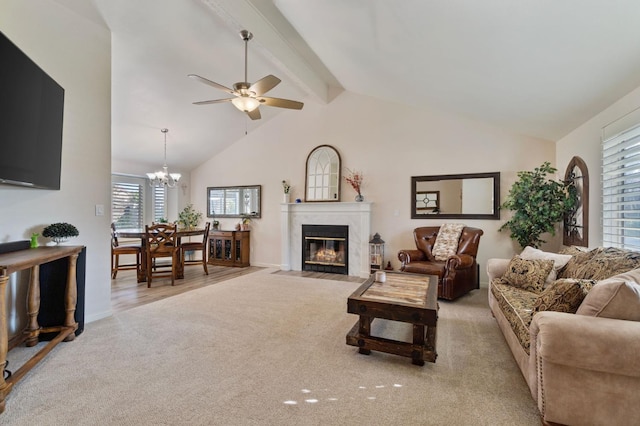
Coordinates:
389 143
585 141
76 53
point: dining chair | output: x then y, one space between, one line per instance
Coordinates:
118 249
161 242
196 246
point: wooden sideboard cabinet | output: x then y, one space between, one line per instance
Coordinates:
229 248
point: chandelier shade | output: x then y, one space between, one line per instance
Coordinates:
163 177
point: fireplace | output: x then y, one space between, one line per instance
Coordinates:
325 248
355 216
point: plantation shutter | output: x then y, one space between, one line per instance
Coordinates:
127 205
159 203
621 190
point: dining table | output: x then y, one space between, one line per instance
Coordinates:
135 233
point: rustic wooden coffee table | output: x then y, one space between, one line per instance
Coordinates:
410 298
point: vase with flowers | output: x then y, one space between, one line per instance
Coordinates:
355 179
287 192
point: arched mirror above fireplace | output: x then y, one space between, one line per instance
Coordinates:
322 180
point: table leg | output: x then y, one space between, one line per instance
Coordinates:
71 297
33 307
364 329
180 265
142 273
5 388
417 357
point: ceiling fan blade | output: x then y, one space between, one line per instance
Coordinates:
265 84
255 114
211 83
214 101
281 103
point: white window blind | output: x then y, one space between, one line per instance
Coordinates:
127 200
159 203
621 190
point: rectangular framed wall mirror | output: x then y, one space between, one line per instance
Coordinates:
471 196
233 201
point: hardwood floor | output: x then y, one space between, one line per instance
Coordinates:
127 293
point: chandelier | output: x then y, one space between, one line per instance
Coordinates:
163 177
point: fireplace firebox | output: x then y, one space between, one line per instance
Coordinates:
325 248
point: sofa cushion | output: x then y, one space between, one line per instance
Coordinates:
600 263
429 268
559 260
578 265
528 275
563 295
613 298
516 305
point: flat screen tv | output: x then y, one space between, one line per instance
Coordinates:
31 113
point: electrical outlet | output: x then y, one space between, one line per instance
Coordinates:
99 210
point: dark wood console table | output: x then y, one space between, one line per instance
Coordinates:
32 259
229 248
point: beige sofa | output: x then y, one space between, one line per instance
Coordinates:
582 368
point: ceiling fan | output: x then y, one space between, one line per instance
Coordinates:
248 97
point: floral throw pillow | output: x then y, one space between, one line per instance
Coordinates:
528 275
564 295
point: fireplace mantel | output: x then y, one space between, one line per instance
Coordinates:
355 215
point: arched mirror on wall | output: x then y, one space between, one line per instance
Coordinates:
322 180
576 224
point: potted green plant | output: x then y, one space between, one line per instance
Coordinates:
189 218
60 232
539 204
246 220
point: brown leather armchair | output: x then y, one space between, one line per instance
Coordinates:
458 275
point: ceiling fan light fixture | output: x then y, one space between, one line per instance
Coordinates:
245 103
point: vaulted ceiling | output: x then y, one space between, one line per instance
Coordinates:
534 67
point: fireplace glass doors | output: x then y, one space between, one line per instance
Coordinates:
325 248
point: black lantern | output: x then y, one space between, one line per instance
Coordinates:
376 253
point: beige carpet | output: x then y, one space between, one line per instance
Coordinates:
269 349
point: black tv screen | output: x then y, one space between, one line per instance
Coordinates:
31 113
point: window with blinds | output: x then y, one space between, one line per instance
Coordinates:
621 190
127 201
159 203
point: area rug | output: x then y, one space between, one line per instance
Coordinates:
268 349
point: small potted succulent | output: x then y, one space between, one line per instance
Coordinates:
60 232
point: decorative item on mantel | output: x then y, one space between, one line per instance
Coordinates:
355 178
376 253
60 232
287 192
